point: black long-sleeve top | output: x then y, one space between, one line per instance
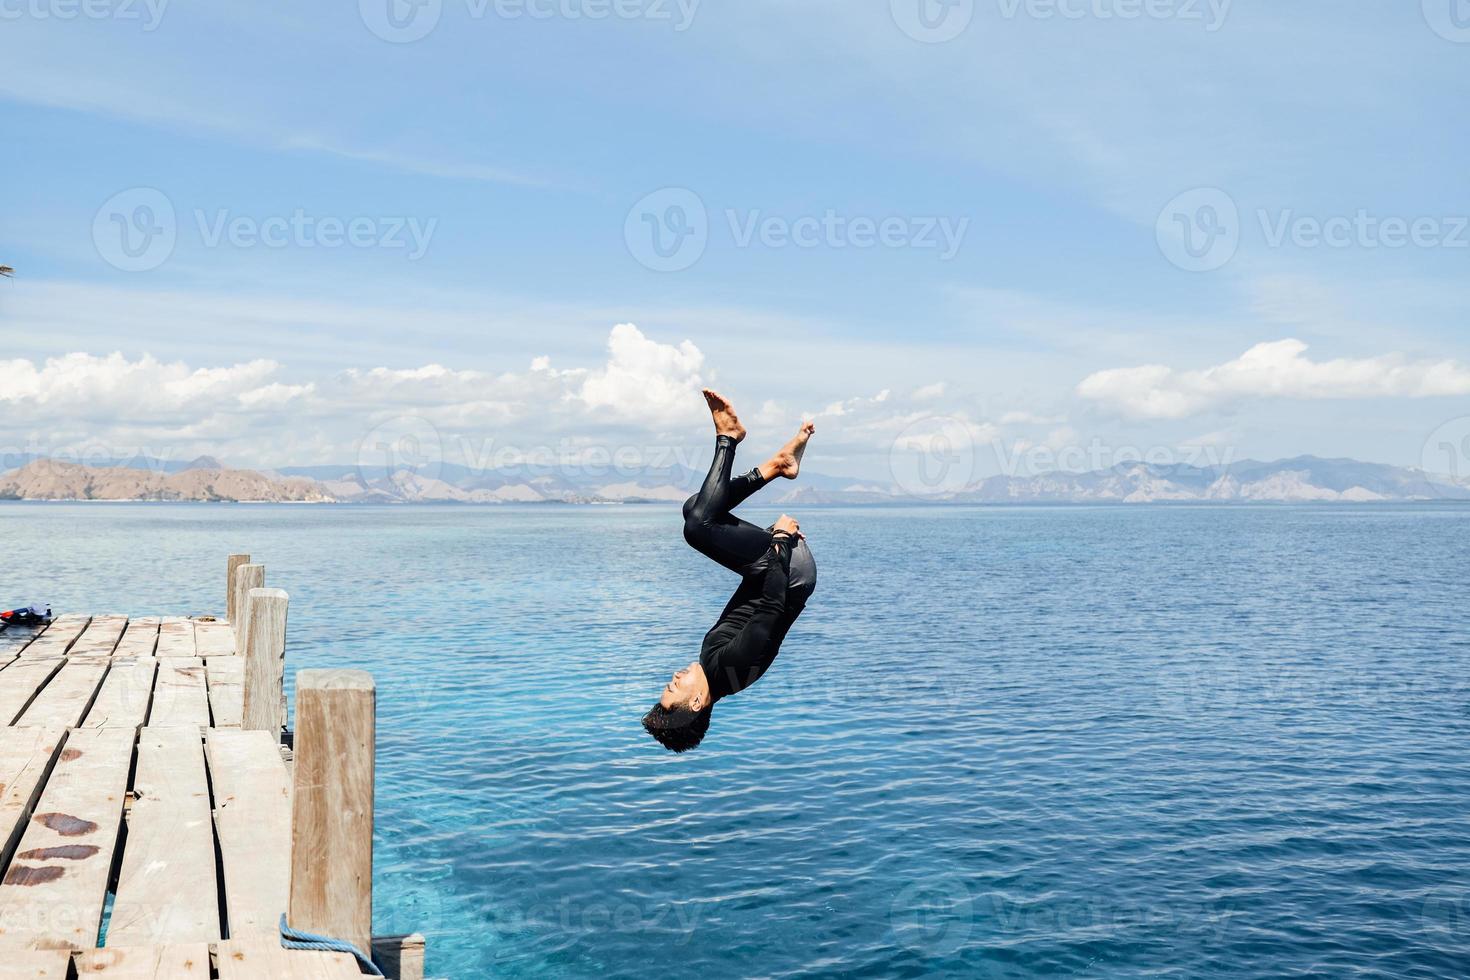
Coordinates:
747 636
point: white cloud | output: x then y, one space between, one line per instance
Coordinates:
929 392
249 413
642 396
1270 370
644 380
115 385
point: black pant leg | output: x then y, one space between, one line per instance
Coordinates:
711 529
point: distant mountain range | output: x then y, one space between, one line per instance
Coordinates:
48 479
1303 479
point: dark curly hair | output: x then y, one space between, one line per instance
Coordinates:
677 729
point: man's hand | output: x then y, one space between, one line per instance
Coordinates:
788 524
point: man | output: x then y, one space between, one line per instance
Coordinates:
777 576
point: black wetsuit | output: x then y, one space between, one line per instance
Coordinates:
778 575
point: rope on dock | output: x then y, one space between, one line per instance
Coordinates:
300 939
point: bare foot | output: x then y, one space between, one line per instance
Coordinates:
787 462
726 423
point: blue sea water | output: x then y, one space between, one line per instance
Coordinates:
1001 742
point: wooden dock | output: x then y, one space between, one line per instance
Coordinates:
152 821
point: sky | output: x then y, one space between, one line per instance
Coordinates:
1007 235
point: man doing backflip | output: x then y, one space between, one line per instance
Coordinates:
777 576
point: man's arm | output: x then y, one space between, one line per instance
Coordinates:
770 604
760 602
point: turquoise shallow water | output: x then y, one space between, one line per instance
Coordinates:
1007 742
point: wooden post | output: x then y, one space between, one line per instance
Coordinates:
332 805
231 563
265 660
247 577
400 957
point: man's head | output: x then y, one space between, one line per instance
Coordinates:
681 717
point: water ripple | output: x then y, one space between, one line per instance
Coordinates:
1030 742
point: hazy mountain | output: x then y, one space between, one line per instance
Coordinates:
54 480
1305 478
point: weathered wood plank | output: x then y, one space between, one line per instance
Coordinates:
252 959
182 961
176 638
52 895
166 891
250 575
14 639
180 696
19 682
58 638
35 964
232 563
213 638
26 755
265 660
226 677
100 637
122 701
332 805
252 797
140 639
65 698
